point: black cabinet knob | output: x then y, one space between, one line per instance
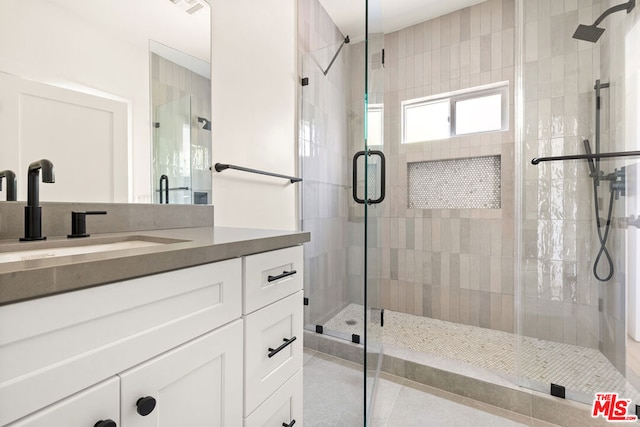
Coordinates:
105 423
145 405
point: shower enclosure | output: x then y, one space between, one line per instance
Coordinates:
475 260
172 152
181 146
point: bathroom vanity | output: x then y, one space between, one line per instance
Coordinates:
203 328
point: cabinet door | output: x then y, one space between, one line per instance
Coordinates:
195 385
84 409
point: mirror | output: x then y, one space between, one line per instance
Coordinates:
75 88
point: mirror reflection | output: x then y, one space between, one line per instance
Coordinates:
114 93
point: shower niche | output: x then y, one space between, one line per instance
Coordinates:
465 183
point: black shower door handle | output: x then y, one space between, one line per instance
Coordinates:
382 177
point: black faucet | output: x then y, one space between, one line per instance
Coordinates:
33 210
11 184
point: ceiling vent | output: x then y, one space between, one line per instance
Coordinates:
189 6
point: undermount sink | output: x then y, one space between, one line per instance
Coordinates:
66 248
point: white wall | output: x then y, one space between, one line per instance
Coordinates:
253 83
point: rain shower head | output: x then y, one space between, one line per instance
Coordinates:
591 33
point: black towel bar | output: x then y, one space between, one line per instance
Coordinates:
219 167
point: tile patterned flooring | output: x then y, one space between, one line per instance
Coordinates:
583 371
333 397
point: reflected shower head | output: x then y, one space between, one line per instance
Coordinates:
207 123
591 33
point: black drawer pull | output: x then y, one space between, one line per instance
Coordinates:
281 276
290 424
273 352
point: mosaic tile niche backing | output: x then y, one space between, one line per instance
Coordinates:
469 183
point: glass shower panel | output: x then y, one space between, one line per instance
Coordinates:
324 139
575 277
172 152
573 313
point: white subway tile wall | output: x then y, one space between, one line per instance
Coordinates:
561 299
444 262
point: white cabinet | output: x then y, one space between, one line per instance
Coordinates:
54 347
273 331
185 386
189 386
86 408
176 346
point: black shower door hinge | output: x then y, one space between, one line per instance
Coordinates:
558 391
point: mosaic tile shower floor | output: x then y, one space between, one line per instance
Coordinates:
579 369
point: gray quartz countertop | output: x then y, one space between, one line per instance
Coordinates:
180 248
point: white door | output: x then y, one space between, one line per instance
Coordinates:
198 384
85 136
86 408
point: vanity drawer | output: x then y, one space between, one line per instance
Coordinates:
270 276
282 408
77 339
273 349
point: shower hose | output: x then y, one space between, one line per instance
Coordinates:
601 238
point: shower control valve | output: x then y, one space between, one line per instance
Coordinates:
618 182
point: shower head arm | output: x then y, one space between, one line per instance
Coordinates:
628 6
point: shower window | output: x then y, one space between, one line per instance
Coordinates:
375 125
476 110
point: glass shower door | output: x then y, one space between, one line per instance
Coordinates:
343 184
375 178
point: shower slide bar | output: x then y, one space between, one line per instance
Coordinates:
219 167
537 160
173 189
